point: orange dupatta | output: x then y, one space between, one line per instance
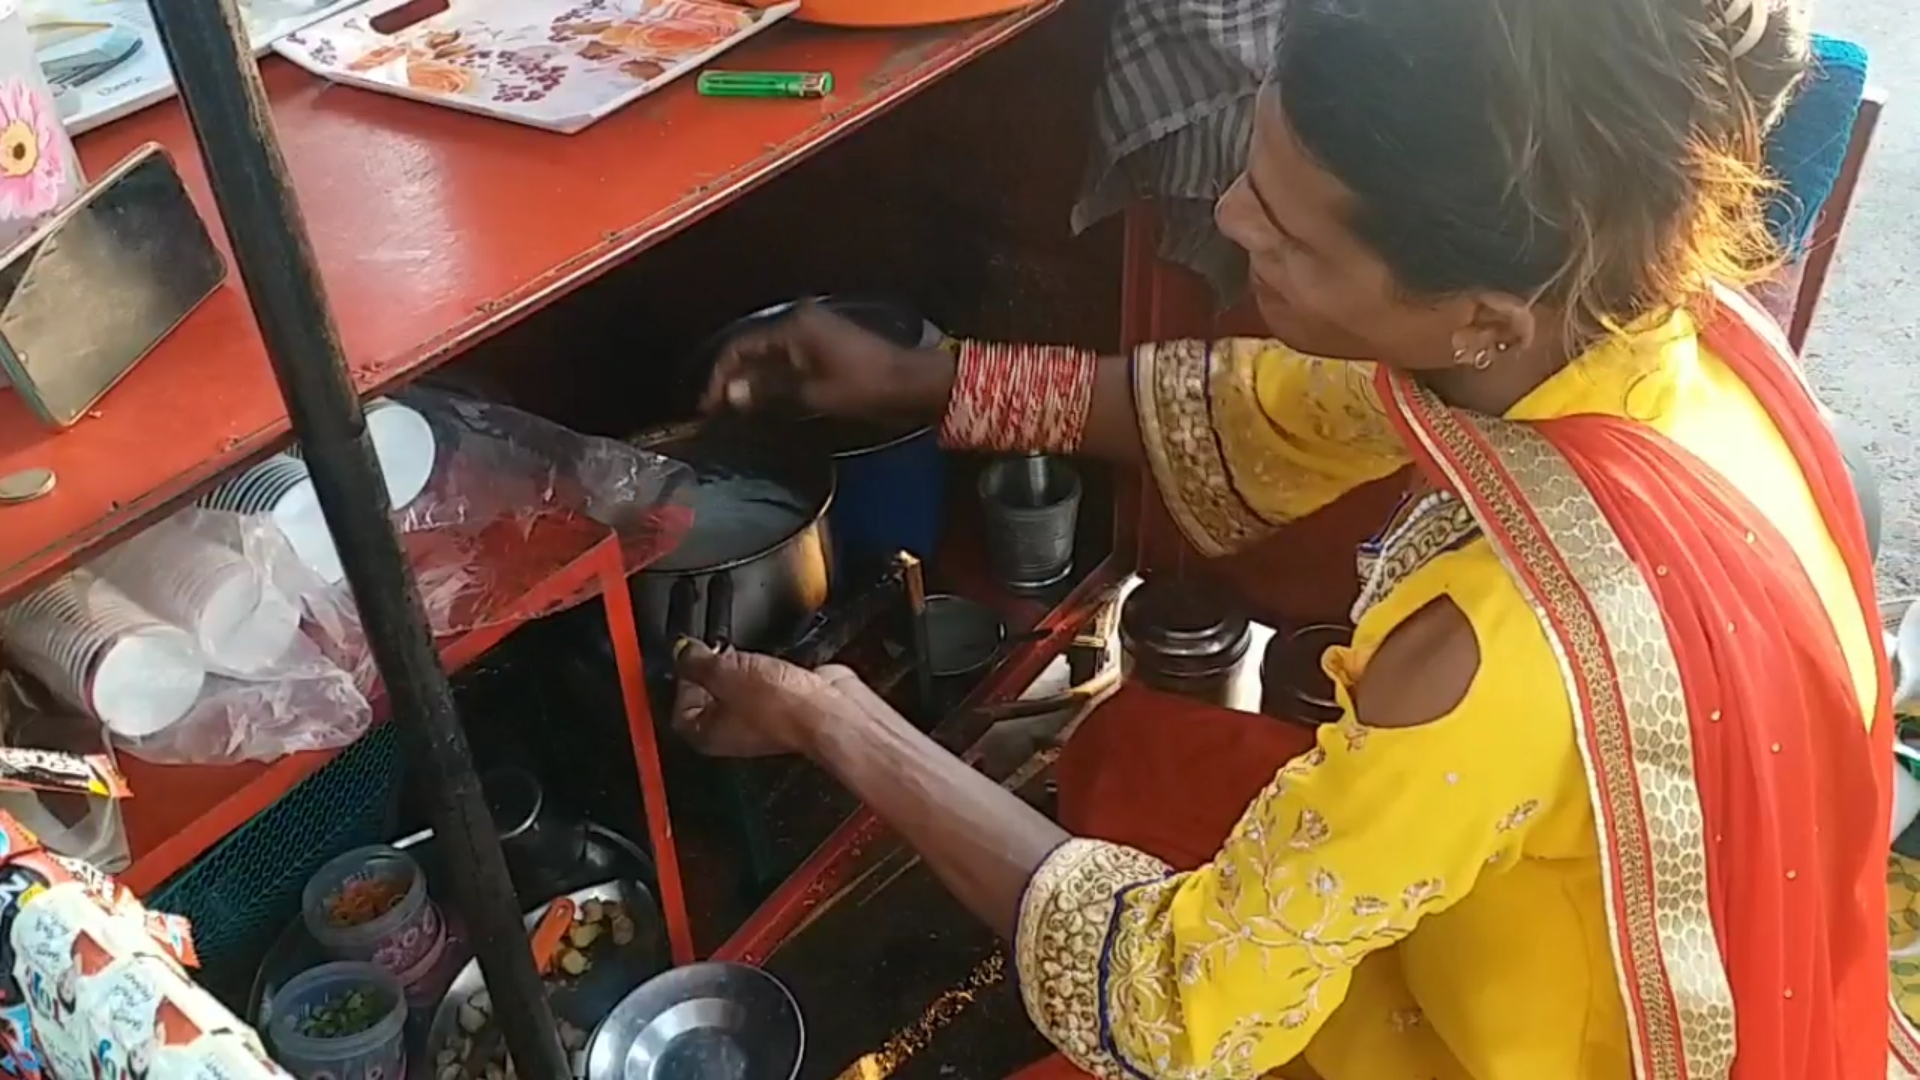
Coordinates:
1741 804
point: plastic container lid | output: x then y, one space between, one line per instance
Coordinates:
308 1055
963 636
368 863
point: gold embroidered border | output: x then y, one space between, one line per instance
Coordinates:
1171 399
1624 686
1065 919
1903 1058
1436 527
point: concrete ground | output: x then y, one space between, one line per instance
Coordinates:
1866 338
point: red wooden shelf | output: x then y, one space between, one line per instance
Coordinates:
433 230
177 812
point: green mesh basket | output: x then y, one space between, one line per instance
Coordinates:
242 894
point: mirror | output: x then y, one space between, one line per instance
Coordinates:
92 291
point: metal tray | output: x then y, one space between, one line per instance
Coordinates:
582 1002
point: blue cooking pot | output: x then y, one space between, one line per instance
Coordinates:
892 497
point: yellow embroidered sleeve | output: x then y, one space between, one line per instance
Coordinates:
1228 971
1245 435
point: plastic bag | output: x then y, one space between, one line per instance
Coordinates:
282 661
311 693
502 476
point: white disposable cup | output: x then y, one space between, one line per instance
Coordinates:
404 443
105 654
240 622
281 489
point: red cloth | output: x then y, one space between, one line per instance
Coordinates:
1825 816
1792 789
1168 775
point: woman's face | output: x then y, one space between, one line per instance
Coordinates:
1320 289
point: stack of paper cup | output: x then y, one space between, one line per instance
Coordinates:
403 442
104 654
241 623
281 489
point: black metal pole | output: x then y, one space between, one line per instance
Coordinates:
220 84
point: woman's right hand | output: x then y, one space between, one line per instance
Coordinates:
826 364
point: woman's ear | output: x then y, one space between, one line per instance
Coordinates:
1507 322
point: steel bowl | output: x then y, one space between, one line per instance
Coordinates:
710 1021
581 1002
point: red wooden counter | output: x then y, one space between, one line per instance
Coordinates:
433 231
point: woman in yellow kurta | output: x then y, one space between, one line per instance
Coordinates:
1607 799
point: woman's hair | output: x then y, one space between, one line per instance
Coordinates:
1599 155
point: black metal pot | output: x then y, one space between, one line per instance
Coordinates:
758 542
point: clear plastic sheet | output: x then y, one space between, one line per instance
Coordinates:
512 498
502 476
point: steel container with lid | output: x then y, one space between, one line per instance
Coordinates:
1183 639
1294 684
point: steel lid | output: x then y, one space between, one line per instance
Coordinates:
1182 629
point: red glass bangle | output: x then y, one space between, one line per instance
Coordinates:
1019 398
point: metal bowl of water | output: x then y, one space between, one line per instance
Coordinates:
710 1021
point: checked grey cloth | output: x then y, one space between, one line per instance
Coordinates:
1172 117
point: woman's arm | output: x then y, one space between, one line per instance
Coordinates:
1229 970
982 841
1242 436
1113 431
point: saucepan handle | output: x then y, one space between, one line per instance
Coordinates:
682 599
720 611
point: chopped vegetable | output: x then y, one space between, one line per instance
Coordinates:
595 922
342 1015
363 900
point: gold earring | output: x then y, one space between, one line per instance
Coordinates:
1481 360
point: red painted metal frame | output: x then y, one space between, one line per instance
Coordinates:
624 634
447 189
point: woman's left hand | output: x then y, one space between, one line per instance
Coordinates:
738 704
